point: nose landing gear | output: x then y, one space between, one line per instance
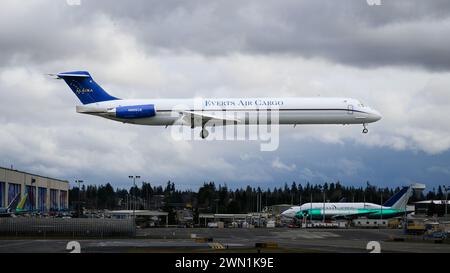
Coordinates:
365 130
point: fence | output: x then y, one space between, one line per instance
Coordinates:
73 227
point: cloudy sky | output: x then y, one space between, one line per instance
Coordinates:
394 57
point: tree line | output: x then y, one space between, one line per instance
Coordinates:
212 198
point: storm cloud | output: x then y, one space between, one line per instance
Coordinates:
396 33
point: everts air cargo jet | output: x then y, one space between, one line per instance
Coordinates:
393 207
204 112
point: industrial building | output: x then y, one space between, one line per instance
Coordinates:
432 207
45 194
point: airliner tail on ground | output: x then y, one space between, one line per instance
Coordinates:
16 206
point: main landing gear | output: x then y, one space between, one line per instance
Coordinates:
204 133
365 130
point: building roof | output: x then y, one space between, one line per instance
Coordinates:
283 205
138 212
437 202
229 216
32 174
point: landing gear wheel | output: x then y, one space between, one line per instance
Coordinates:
365 130
204 133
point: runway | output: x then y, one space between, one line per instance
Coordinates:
234 240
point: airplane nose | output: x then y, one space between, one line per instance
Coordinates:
374 115
287 213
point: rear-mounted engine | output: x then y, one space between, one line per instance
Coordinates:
135 111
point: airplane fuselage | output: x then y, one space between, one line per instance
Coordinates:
247 110
331 207
349 213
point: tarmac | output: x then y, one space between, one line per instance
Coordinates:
187 240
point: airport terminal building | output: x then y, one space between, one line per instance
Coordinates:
44 194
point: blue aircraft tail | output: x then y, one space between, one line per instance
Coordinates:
84 87
400 199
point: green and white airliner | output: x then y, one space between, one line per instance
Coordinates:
393 207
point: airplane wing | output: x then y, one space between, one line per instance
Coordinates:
202 118
351 216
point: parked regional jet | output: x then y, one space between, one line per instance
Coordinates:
393 207
206 112
14 207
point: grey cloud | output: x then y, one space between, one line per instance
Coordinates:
348 32
406 33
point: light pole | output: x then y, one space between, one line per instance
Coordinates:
217 205
381 207
446 189
134 194
79 193
33 181
324 205
145 195
310 210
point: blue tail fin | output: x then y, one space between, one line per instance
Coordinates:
86 89
400 199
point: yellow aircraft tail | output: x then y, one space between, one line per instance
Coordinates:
21 204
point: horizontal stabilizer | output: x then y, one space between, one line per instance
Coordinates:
91 110
63 75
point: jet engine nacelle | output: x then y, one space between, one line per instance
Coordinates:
135 111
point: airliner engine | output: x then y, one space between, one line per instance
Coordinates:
134 111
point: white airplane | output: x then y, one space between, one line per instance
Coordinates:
203 112
393 207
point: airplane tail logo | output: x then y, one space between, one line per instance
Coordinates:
84 87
